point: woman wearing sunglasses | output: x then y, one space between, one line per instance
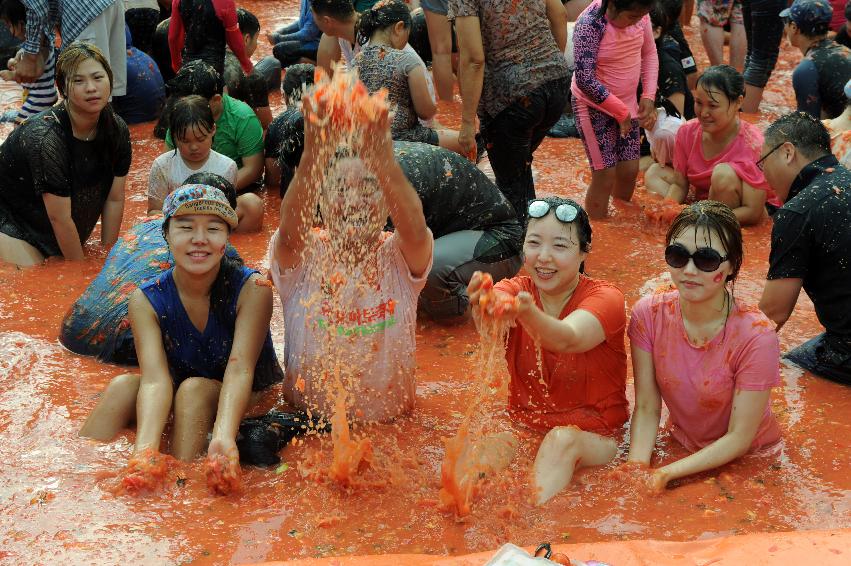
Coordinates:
717 153
711 359
566 357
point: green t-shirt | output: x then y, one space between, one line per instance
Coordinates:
238 131
364 5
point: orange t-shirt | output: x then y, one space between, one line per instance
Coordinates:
587 390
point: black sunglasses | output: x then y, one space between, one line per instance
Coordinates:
565 212
760 163
705 259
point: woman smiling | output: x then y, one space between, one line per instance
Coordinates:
202 338
717 153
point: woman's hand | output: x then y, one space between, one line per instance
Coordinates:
146 471
222 467
486 301
646 114
467 139
641 476
657 482
318 128
375 145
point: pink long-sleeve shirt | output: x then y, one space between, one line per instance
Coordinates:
611 60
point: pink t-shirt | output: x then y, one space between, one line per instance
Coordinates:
698 383
611 60
368 332
741 154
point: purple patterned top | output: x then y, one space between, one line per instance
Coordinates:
521 53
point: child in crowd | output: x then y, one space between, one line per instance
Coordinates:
717 152
41 94
193 129
239 134
711 359
199 29
383 32
613 48
349 293
202 338
566 357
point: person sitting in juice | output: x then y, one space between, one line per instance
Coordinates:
202 340
566 356
348 290
712 359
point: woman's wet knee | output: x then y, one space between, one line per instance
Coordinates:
196 390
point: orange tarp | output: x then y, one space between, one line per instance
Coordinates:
824 548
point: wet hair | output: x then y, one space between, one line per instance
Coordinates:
665 14
384 14
292 146
215 181
190 113
70 59
712 216
194 77
13 12
624 5
582 222
197 77
725 79
337 9
248 22
296 79
222 285
807 134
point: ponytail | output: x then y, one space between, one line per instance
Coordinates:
223 284
382 15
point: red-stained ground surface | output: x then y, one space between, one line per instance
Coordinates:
55 498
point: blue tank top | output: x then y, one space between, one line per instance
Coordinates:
191 353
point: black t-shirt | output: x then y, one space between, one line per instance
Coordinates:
456 196
686 56
672 76
43 156
160 51
251 89
842 37
285 137
811 240
204 36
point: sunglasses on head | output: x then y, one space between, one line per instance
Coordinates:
705 259
565 212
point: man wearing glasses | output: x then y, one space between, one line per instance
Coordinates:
810 240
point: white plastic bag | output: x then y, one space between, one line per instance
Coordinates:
663 136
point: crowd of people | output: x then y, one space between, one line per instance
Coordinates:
175 298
